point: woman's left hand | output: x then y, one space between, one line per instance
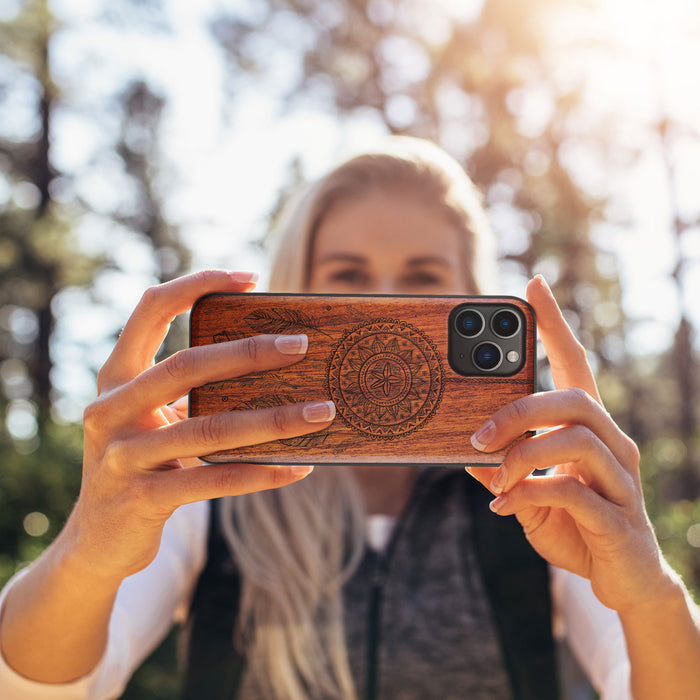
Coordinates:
587 514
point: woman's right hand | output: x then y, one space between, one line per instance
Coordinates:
139 454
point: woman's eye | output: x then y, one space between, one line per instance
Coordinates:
353 276
423 279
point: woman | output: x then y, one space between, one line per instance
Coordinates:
406 220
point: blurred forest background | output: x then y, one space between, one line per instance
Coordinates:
574 117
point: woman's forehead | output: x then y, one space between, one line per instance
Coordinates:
412 229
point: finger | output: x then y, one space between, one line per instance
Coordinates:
582 451
148 324
556 408
180 407
584 505
194 437
567 357
175 488
176 375
483 475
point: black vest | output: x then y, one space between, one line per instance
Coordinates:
515 578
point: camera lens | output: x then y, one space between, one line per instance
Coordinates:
487 356
505 323
469 323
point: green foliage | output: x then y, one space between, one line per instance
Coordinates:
38 476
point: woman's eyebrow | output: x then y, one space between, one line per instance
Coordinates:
343 257
430 260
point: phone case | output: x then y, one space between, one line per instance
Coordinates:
383 360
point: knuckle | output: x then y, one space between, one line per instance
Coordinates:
225 482
581 351
571 487
630 450
585 437
229 481
580 397
95 416
102 378
575 355
518 454
92 414
517 411
209 430
151 304
116 454
250 348
206 277
279 420
179 365
150 296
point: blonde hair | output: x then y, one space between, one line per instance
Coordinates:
296 546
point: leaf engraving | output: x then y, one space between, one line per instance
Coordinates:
306 441
283 321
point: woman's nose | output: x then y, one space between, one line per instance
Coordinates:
384 284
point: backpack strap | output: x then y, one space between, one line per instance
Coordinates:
516 579
214 667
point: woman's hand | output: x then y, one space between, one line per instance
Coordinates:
140 448
587 515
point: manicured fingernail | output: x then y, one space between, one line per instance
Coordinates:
497 504
319 412
484 435
243 277
302 471
499 480
543 282
292 344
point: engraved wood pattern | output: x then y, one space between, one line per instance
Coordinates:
382 360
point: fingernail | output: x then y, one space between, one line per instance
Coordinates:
543 282
243 277
292 344
469 471
302 471
319 412
497 504
484 435
499 481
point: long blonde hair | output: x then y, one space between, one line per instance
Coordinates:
296 546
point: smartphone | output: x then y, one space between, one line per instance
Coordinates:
412 377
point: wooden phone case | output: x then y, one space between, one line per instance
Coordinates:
383 360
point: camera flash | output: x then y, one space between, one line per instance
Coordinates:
513 356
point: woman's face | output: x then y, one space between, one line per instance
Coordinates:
386 244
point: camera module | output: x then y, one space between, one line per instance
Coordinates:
486 338
505 323
469 323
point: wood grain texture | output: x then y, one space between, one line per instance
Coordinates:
382 360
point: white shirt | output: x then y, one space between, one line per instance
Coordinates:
149 602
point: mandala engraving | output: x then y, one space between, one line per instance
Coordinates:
386 378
